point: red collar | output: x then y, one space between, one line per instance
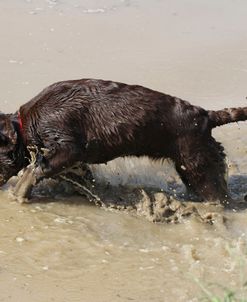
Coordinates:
20 121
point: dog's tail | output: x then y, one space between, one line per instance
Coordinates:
226 116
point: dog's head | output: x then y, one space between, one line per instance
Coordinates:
8 140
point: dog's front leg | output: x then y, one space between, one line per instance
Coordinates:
30 176
44 164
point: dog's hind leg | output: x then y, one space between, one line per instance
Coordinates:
181 170
200 161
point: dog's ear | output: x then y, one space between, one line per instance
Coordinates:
8 134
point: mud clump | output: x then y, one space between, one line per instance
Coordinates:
157 206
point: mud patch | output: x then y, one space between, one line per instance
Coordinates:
154 205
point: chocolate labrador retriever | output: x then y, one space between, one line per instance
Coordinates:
94 121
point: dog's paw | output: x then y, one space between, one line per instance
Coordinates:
19 199
21 192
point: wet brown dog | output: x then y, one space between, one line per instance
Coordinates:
95 121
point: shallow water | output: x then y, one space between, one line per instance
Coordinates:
66 249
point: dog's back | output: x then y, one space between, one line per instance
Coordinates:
111 119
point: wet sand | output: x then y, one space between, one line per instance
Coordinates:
63 248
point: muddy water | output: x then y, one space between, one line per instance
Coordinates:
63 248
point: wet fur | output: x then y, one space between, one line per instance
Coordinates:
95 121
